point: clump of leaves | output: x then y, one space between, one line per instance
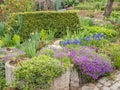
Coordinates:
38 73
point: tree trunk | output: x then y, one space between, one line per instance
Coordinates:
108 8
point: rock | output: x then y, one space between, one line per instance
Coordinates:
62 82
74 80
118 77
106 88
115 86
87 88
96 88
103 80
91 85
108 83
57 42
54 46
9 72
99 85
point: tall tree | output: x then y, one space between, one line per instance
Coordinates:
108 8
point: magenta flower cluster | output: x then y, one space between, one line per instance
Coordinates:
90 63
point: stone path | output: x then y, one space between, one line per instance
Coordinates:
106 83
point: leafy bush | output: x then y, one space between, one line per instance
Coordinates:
113 51
9 40
38 72
90 64
108 32
86 21
2 75
98 5
48 20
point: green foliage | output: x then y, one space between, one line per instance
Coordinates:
43 34
30 45
7 40
18 5
108 32
38 72
48 20
16 40
2 75
50 35
113 51
1 44
70 3
84 7
86 21
98 5
1 29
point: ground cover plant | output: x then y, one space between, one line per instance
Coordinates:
89 64
38 72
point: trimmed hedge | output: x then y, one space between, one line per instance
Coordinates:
28 22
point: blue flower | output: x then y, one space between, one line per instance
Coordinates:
69 42
76 41
87 38
97 36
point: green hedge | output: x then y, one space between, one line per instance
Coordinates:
28 22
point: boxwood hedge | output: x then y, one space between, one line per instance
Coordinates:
28 22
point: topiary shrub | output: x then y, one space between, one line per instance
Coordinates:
28 22
38 73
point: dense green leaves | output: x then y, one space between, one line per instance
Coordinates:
38 72
36 21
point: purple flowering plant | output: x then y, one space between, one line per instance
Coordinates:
90 64
58 53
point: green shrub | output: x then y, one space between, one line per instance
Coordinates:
98 5
113 51
48 20
86 21
38 72
108 32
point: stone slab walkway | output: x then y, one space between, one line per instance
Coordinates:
105 83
